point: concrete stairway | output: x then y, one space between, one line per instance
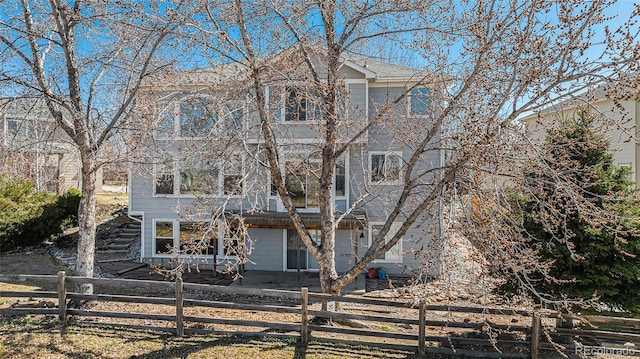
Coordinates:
119 240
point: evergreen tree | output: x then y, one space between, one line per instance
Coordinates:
583 220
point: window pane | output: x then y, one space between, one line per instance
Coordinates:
314 107
341 178
295 180
377 168
164 237
313 184
296 251
233 242
166 126
233 170
15 128
232 119
419 101
197 118
199 178
393 168
164 179
164 184
233 184
295 106
195 239
164 229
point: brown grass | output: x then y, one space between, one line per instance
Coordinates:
45 338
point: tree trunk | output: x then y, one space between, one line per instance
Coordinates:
87 221
327 266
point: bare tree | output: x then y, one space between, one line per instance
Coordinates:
488 62
86 60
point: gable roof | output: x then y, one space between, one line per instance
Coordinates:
383 71
372 69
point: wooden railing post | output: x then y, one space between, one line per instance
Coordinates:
179 308
535 332
62 297
421 328
304 330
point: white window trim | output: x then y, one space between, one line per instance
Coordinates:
154 222
155 182
284 255
175 170
399 181
174 109
394 228
408 102
283 169
282 102
176 238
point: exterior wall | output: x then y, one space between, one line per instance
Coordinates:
620 128
36 149
269 252
69 171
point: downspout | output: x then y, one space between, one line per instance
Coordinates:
133 218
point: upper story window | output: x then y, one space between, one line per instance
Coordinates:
18 129
192 177
294 104
164 184
419 103
385 167
302 181
232 177
198 117
198 178
301 105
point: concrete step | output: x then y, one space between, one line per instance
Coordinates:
130 230
129 235
112 251
120 246
122 240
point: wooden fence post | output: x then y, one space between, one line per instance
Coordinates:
62 297
179 308
421 328
535 332
304 331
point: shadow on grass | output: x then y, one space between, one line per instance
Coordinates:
47 337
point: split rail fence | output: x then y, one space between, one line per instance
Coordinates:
440 328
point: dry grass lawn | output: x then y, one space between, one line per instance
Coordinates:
46 338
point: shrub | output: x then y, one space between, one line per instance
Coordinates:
28 217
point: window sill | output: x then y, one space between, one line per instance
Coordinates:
388 261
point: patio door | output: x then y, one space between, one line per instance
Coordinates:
298 257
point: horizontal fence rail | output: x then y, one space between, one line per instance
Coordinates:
523 335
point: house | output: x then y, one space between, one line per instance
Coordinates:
204 163
619 120
34 147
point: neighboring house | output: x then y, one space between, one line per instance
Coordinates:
620 121
207 153
35 148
